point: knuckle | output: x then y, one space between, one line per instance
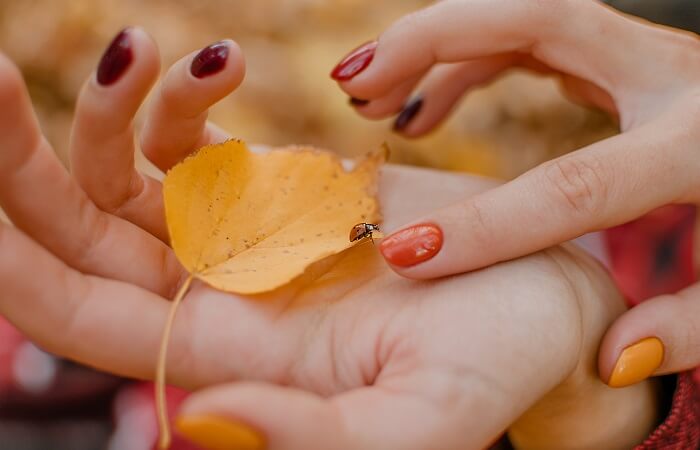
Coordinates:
577 184
474 213
95 229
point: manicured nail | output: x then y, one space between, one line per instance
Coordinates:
215 433
355 62
116 59
637 362
358 102
408 113
412 246
210 60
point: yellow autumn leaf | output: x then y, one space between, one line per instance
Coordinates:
248 222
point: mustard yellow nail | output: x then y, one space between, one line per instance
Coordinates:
215 433
637 362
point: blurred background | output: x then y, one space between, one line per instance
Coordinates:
287 98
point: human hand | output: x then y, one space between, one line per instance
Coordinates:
370 360
647 75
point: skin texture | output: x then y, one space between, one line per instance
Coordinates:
372 360
647 76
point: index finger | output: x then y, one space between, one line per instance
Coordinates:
608 183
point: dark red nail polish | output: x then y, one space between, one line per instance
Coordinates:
116 59
210 60
355 62
408 113
413 245
358 101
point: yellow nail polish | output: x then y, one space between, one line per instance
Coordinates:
637 362
216 433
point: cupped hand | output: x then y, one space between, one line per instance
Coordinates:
337 359
647 75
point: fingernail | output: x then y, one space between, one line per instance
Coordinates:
116 59
413 245
637 362
358 102
210 60
215 433
408 113
355 62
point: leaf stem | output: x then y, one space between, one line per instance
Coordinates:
161 402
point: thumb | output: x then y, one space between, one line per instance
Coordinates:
659 336
256 416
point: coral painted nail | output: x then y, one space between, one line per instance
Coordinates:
210 60
116 59
412 245
637 362
214 433
355 62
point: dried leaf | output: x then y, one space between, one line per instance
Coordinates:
247 223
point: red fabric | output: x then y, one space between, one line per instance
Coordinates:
649 257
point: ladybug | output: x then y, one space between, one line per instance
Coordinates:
362 230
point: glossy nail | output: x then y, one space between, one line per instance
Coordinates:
637 362
355 62
358 102
408 113
210 60
116 59
215 433
412 245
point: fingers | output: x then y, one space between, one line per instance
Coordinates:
177 121
40 198
659 336
256 416
388 105
88 319
102 147
442 89
606 184
455 30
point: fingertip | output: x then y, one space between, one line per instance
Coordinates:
130 58
635 346
222 62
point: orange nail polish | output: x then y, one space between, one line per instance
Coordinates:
216 433
412 245
637 362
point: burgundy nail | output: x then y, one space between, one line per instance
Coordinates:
408 113
355 62
358 101
210 60
116 59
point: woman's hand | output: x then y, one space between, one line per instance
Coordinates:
363 361
647 75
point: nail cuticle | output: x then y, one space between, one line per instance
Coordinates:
357 61
408 113
358 102
116 59
412 245
210 60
